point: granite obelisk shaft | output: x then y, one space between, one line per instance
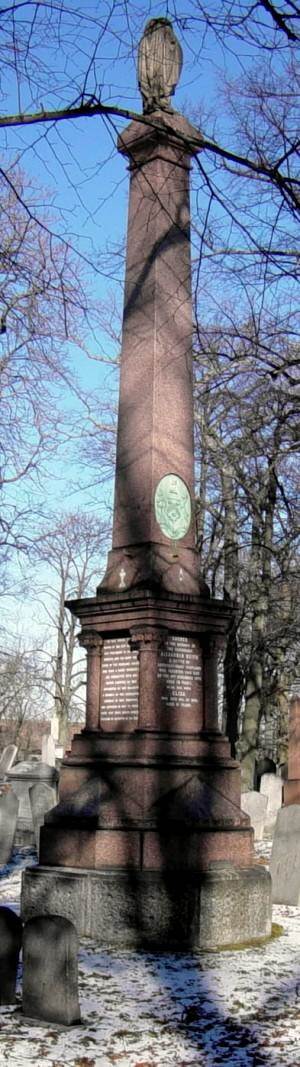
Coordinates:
155 423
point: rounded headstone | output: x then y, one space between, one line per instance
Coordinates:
9 806
255 805
42 798
50 970
10 944
285 858
7 758
271 787
22 776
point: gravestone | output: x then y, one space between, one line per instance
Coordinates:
54 727
149 795
255 805
292 786
42 798
271 787
285 858
10 945
263 766
48 750
7 759
50 970
24 775
9 806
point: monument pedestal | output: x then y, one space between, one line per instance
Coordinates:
148 844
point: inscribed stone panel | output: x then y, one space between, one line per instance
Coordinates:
180 672
120 682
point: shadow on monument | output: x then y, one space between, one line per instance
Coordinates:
150 818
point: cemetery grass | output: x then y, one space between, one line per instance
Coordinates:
169 1010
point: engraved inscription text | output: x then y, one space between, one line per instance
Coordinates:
120 685
180 672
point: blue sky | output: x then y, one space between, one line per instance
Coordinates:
85 181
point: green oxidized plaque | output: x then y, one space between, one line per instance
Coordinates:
172 505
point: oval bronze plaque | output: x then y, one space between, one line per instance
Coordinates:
172 506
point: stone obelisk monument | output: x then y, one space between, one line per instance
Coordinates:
148 844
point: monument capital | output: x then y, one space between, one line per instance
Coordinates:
158 131
91 641
146 637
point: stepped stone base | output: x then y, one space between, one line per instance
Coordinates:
152 849
221 906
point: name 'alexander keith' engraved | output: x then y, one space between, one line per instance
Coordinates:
180 672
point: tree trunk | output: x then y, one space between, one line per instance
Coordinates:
58 665
260 577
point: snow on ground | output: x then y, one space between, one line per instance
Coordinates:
240 1009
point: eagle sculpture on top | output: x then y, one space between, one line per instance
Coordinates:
159 65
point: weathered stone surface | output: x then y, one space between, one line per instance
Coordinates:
168 818
294 739
235 906
50 970
7 758
22 776
205 795
9 806
48 750
159 64
285 858
292 786
271 787
42 798
255 805
129 909
157 348
10 944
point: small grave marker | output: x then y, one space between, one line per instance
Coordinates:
255 805
42 798
9 806
7 759
10 944
50 970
